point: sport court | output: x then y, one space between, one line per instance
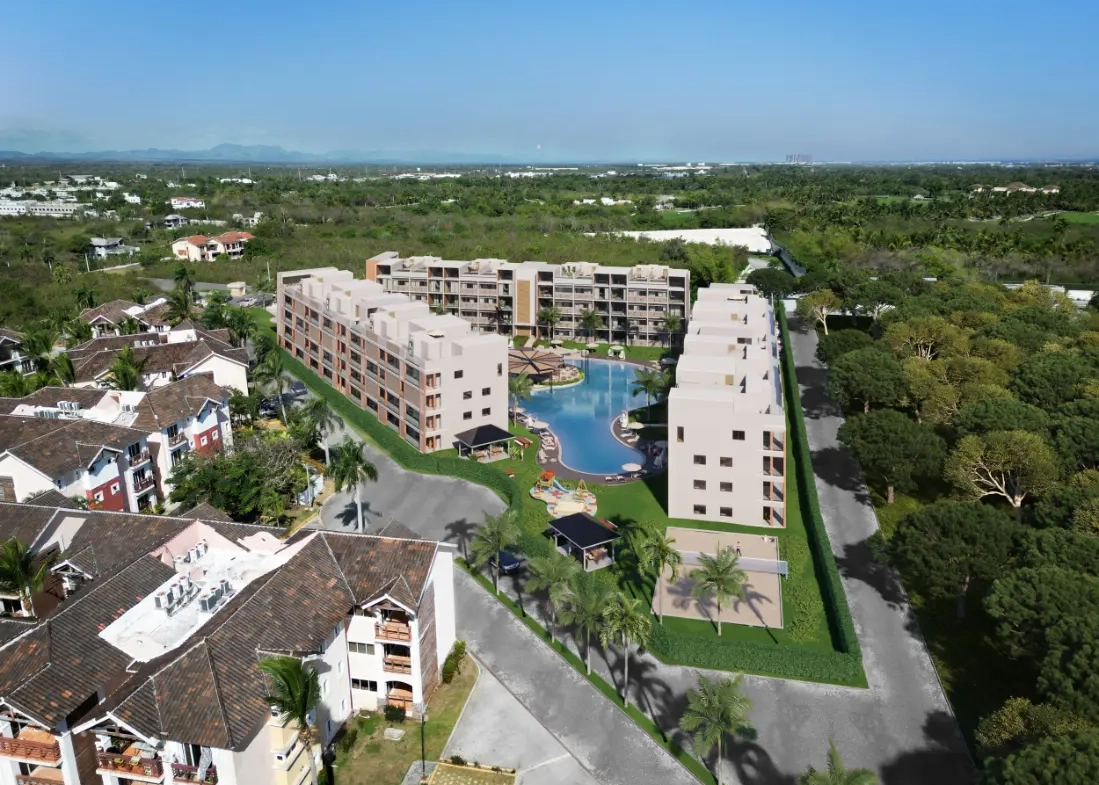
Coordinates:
759 558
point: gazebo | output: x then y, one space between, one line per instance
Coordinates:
584 537
536 363
483 443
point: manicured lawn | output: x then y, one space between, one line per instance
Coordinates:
371 760
640 353
1081 218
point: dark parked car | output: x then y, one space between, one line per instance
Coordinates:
509 562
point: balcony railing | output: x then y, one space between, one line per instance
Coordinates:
32 748
393 631
143 483
397 664
181 772
41 776
113 762
177 439
140 458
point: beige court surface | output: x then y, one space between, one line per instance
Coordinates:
763 607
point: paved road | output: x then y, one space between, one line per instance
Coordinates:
495 728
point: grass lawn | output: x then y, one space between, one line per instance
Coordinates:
446 774
640 353
371 760
1080 218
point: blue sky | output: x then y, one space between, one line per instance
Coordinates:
693 80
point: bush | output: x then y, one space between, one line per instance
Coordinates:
457 760
449 670
453 663
839 342
347 740
395 714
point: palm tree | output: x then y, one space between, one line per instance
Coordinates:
719 576
549 316
126 371
837 774
38 345
652 383
656 554
140 296
352 469
241 327
14 384
321 417
715 709
76 332
584 606
519 388
184 278
590 321
271 372
497 533
85 297
61 366
671 324
130 326
181 306
554 574
23 573
295 692
627 621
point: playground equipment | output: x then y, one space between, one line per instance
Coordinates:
561 501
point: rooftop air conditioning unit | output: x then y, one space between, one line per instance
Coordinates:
225 587
207 603
160 599
70 583
180 563
128 408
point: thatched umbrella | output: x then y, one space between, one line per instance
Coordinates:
533 362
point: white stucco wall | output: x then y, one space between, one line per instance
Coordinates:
226 372
442 583
26 479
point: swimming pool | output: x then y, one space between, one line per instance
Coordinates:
580 416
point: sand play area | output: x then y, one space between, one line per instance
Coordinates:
764 589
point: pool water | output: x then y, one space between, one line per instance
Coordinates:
580 416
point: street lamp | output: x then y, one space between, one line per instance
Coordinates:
421 709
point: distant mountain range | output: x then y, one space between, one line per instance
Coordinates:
261 154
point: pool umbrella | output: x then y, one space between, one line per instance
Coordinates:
533 362
593 345
636 426
631 467
540 426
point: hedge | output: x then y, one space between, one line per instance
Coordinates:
401 451
835 600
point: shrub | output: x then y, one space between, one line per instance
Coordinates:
449 670
395 714
347 740
453 663
457 760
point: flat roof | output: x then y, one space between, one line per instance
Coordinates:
483 435
583 531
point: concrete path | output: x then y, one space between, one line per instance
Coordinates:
496 729
604 742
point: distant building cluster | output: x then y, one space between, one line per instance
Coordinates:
801 159
186 202
1012 188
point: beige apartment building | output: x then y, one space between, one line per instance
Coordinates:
500 296
726 420
428 376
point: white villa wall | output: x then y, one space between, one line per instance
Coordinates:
362 629
227 373
27 480
335 705
442 583
249 766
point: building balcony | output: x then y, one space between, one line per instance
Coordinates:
393 631
41 776
33 745
131 767
181 772
394 663
142 484
179 438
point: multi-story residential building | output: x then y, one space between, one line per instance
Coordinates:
500 296
166 356
102 247
200 248
11 353
55 209
114 448
185 202
139 662
106 319
428 376
726 420
174 221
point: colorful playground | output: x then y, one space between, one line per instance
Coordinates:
561 501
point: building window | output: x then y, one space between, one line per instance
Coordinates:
459 374
324 686
361 648
679 433
700 460
726 487
364 684
214 435
725 512
203 441
467 416
738 436
499 369
744 341
467 395
486 391
486 412
98 496
700 485
134 450
343 706
700 509
767 514
726 462
114 487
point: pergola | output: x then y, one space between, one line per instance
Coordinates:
585 537
483 442
533 362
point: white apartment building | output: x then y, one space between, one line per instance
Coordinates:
726 419
428 376
141 661
32 207
495 295
185 202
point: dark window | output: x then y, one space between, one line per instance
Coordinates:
767 514
700 509
725 512
328 373
700 460
486 391
700 485
459 374
372 404
360 648
467 395
486 412
726 462
726 487
744 341
738 436
499 369
467 416
364 684
679 433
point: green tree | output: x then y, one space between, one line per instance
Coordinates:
815 307
1019 723
184 279
13 384
76 331
716 709
1000 414
294 691
1027 603
23 573
625 621
497 533
590 321
244 409
864 377
272 373
38 345
181 306
719 577
85 297
839 342
657 553
837 773
874 298
1069 674
651 383
549 317
584 606
351 469
1072 759
325 421
926 337
241 326
892 449
1047 379
553 574
669 326
1013 465
126 371
519 389
946 549
129 326
773 282
61 368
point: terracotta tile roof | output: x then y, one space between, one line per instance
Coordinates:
194 239
370 563
113 311
56 447
91 362
173 402
232 237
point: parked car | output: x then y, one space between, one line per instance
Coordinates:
509 562
298 388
